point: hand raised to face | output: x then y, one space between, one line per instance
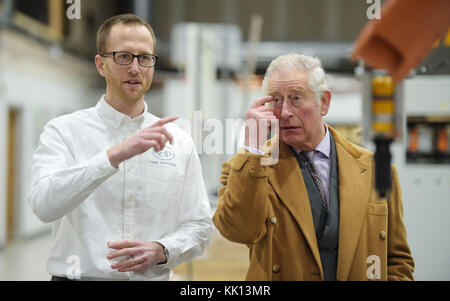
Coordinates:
258 119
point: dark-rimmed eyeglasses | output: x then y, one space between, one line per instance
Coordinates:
126 58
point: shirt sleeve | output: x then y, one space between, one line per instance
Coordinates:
59 185
192 234
254 151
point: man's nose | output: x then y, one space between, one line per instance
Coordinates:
134 66
286 110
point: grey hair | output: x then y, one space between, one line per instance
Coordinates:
317 81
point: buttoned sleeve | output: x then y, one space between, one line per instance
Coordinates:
59 185
242 207
192 233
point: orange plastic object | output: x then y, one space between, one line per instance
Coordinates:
403 36
442 140
413 140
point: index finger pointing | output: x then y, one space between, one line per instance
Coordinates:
165 120
261 101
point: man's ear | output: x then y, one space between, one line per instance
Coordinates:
100 65
325 100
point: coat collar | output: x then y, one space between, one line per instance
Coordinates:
355 178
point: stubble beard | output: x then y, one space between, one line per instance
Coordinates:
120 93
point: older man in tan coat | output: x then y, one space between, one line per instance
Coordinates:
314 214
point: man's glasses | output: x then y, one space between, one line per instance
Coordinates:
126 58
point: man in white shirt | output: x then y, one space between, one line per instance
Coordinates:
124 204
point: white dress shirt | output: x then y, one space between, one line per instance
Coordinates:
151 197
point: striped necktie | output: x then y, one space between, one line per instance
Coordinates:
309 155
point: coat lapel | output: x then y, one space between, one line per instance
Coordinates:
355 177
286 179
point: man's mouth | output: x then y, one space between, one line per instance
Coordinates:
133 82
289 127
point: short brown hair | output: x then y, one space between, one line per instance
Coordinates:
126 19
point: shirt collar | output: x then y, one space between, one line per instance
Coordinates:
114 117
324 146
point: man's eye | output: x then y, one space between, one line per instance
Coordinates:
276 100
124 56
145 58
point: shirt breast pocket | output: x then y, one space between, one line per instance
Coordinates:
162 185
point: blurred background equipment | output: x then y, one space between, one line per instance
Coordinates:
210 69
397 42
410 107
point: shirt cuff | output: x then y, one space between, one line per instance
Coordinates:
170 253
166 253
254 151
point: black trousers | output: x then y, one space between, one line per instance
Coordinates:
57 278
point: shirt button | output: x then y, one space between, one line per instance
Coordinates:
127 230
275 268
383 235
273 220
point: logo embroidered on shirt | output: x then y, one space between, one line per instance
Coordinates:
164 156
